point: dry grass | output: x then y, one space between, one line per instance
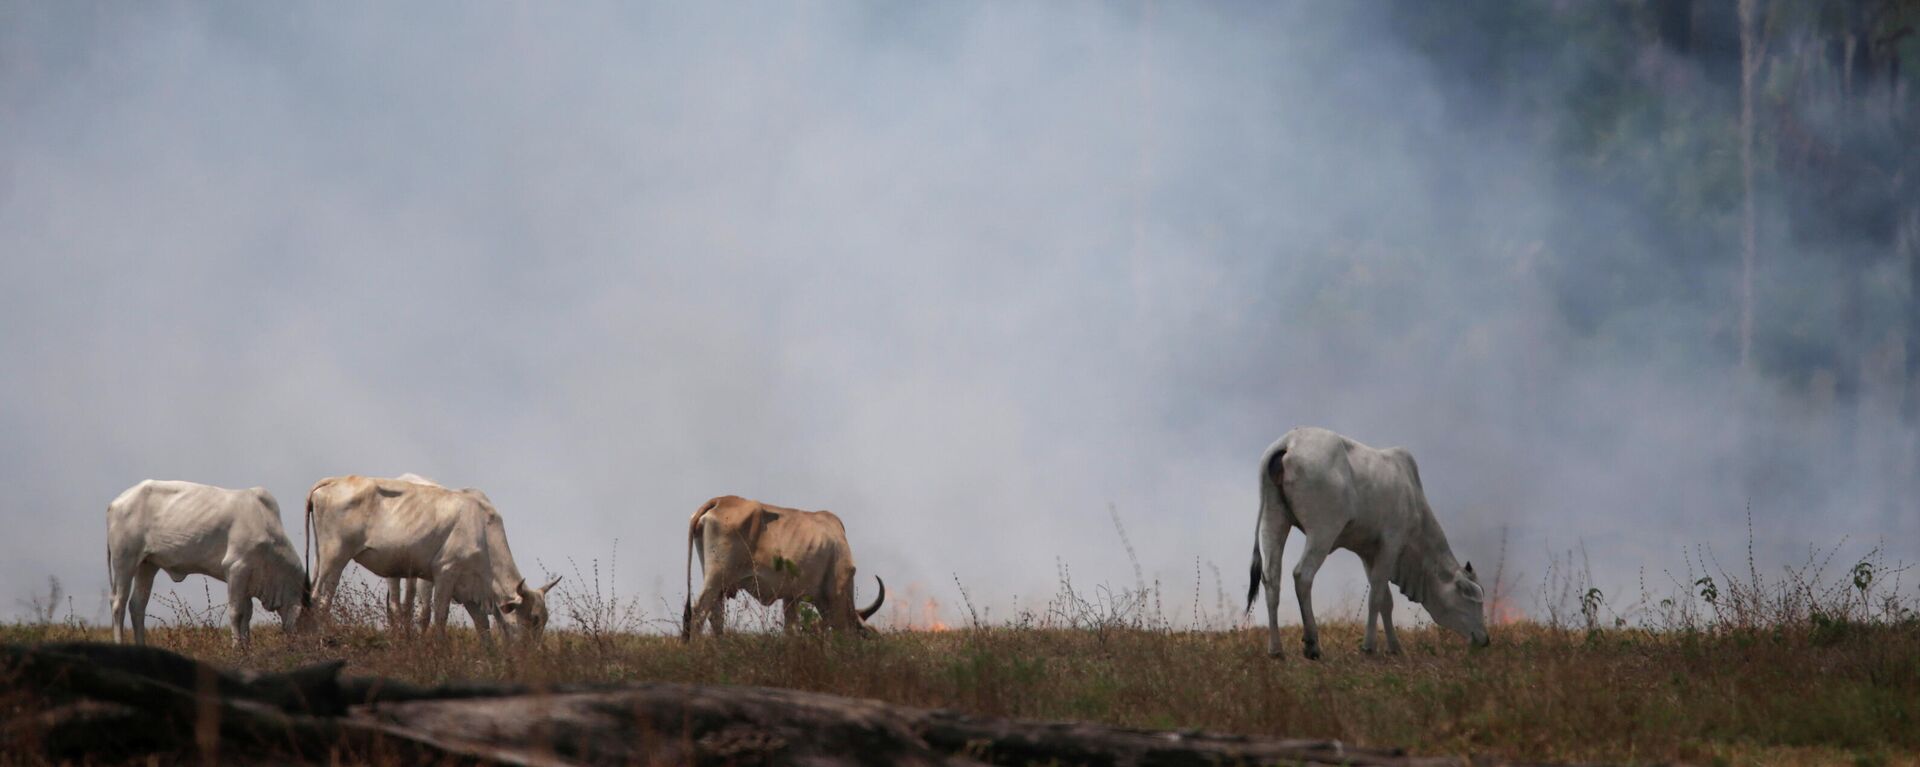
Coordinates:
1805 694
1820 665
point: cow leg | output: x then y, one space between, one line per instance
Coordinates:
717 614
696 614
332 563
442 599
412 613
479 616
396 620
1373 615
1273 538
423 589
1316 553
1378 598
1386 622
711 607
828 612
1380 602
289 619
239 607
702 612
123 571
137 602
835 603
119 610
1373 605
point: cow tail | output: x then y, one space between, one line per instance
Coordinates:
110 581
307 551
693 539
1271 497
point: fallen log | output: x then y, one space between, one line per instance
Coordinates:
752 725
105 703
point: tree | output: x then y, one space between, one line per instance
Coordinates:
1750 54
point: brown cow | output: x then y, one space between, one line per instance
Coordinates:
771 552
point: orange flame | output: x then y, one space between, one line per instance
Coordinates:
1503 612
930 614
912 612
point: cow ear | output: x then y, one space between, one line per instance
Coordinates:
551 584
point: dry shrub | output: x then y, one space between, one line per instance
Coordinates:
1705 596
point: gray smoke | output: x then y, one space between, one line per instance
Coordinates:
963 274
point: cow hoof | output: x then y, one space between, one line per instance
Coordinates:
1368 649
1312 652
1272 653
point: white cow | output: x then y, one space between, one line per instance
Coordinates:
404 528
1345 495
186 528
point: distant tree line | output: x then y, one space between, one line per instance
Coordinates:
1767 153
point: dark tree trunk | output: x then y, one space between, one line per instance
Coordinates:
1910 245
1749 244
1676 25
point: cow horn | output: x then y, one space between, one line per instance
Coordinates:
875 607
551 584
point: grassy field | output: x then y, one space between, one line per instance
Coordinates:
1817 665
1834 693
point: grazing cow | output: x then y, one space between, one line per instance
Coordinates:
398 528
772 553
1345 495
185 528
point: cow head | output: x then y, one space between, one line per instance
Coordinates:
527 608
1458 604
299 617
284 587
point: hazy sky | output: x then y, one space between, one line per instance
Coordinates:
965 274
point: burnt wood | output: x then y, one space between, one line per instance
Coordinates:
109 703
